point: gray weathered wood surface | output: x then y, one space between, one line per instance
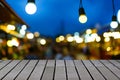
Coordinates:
60 70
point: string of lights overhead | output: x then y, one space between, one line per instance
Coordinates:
31 8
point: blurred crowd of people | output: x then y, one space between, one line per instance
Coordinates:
52 50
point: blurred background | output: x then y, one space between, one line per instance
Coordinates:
56 30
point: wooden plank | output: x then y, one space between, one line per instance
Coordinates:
71 71
37 73
60 73
4 63
16 70
49 70
93 71
115 63
111 67
27 70
8 68
107 74
82 71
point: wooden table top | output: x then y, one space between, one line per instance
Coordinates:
60 70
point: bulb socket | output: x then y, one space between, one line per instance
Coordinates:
33 1
114 18
81 11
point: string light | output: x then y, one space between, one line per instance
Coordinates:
82 15
31 8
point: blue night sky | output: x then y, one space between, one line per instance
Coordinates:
55 17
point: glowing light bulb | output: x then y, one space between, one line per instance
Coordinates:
10 27
107 39
82 18
118 16
42 41
30 35
61 38
88 31
30 8
70 39
114 24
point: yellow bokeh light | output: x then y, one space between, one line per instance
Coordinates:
79 40
108 48
30 35
42 41
57 40
88 31
36 34
107 39
98 39
9 43
70 39
10 27
61 38
15 42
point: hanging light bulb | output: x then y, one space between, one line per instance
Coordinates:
31 8
118 16
114 23
82 16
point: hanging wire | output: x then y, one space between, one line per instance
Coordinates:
113 7
80 5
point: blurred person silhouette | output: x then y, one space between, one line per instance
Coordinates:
86 51
49 53
58 53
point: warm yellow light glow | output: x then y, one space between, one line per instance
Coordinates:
30 8
114 24
105 34
10 27
61 38
70 39
57 40
30 35
15 42
42 41
88 38
36 34
108 48
88 31
107 39
94 35
79 40
116 35
98 39
83 18
9 43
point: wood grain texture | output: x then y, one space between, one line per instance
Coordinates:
60 70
